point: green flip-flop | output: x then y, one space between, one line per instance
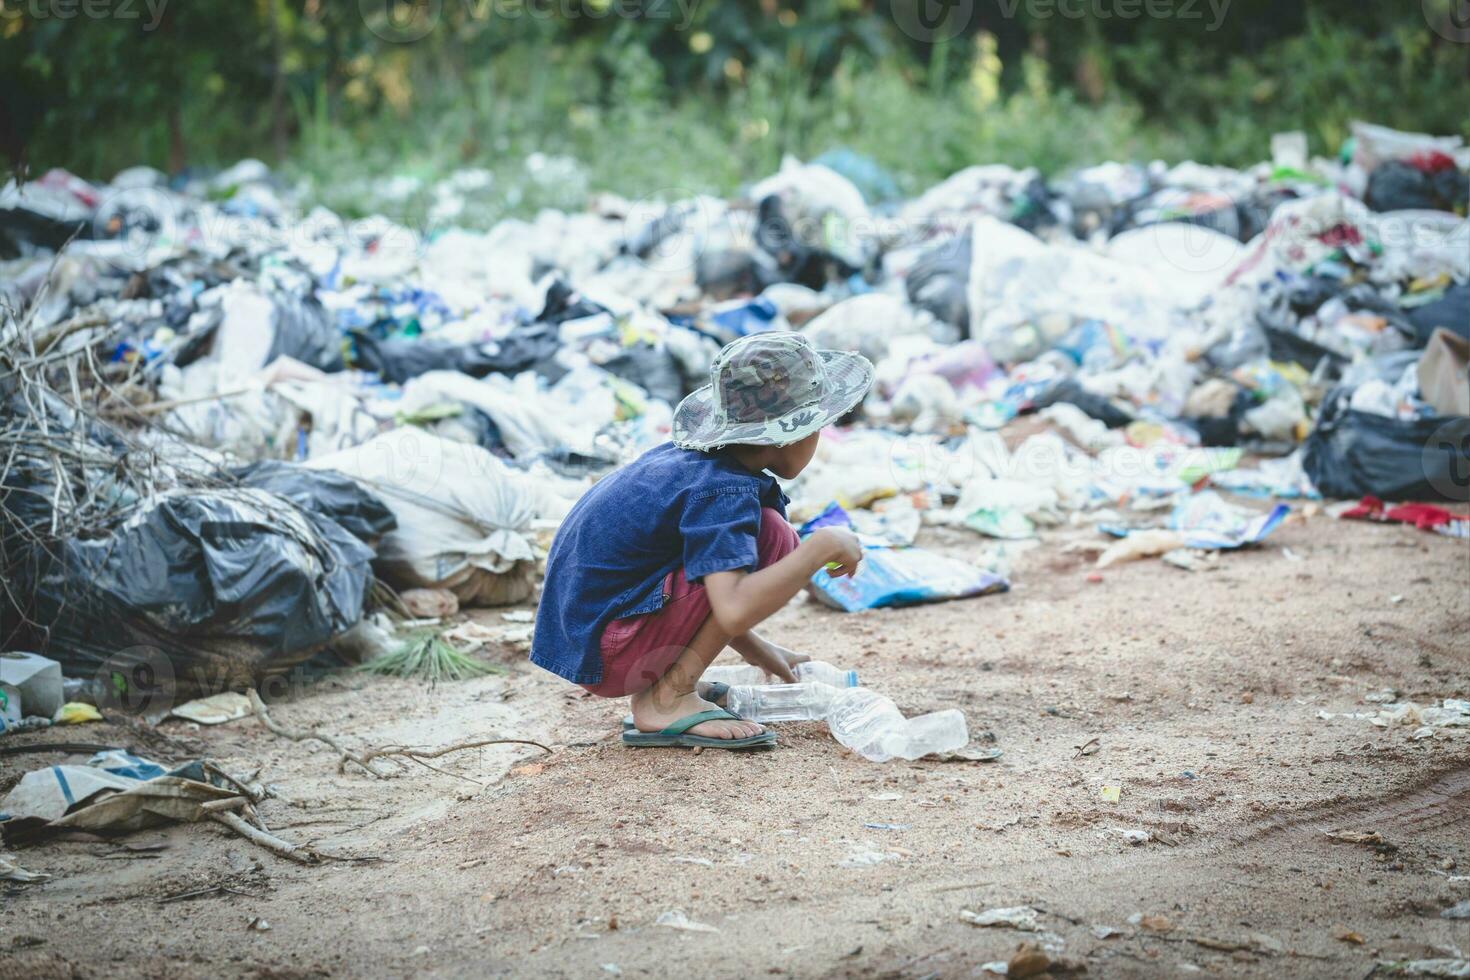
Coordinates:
677 735
713 694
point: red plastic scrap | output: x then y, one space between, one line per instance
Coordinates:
1426 517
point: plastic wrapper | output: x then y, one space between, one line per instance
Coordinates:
904 577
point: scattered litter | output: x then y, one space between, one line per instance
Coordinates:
865 858
1346 935
1450 969
215 710
1460 910
76 713
904 576
1153 923
676 919
1022 917
690 859
1030 960
10 871
886 826
1110 794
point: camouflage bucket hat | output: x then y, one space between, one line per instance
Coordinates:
770 389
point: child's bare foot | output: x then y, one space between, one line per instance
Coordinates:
653 713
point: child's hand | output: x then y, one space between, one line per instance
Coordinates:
845 550
777 661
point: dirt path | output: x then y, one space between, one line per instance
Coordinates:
1202 690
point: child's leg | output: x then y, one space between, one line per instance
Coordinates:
672 696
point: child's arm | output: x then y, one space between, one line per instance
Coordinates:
740 601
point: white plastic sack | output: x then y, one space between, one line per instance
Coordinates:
824 208
866 324
528 423
1194 259
464 517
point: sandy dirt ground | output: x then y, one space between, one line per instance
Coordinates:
1202 691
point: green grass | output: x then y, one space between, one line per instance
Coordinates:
427 656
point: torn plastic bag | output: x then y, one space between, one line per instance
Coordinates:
464 517
400 359
1351 454
939 282
213 587
1444 373
1206 520
904 577
651 368
101 796
529 423
1401 186
253 327
1105 410
1450 312
332 495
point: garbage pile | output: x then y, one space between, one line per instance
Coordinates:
226 415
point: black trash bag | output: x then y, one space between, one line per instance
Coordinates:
400 359
304 330
1224 430
206 591
333 495
1399 186
940 281
1105 410
23 231
1451 311
654 369
1351 453
729 272
1037 207
1289 348
564 303
797 261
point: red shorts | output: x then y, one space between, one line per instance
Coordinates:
638 650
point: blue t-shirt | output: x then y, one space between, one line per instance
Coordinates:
667 508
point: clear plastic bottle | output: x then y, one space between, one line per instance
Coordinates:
872 726
781 702
813 670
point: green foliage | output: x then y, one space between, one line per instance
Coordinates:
659 106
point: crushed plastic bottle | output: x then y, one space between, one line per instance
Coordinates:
872 726
781 702
813 670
